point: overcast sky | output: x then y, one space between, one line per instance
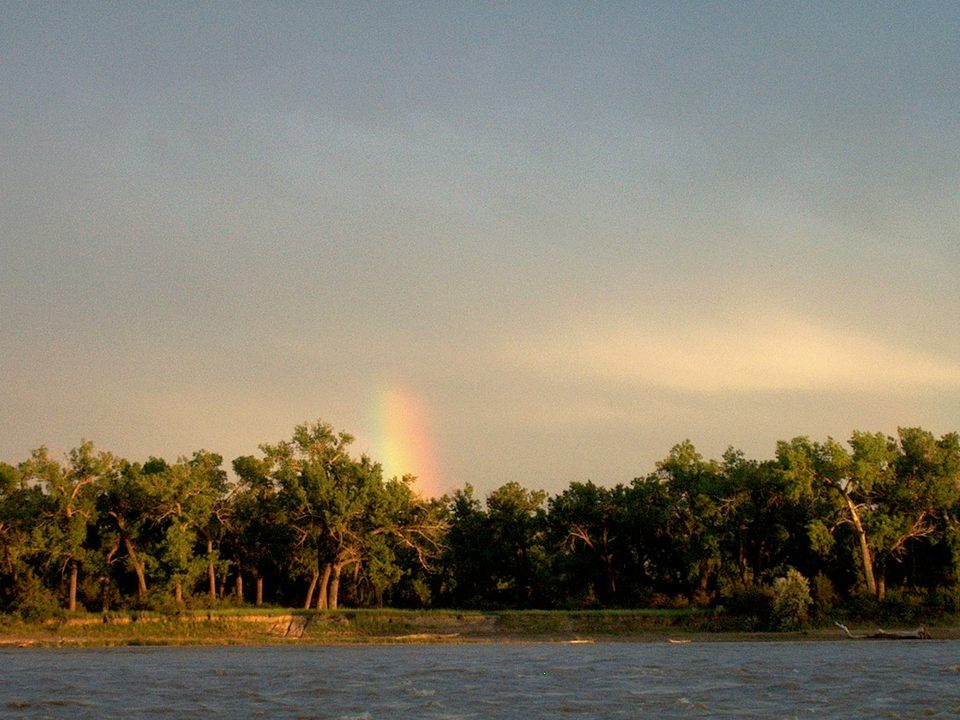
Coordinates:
540 242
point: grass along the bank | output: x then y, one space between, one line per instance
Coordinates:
280 625
285 626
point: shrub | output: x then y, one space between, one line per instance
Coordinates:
863 605
753 606
662 601
901 605
944 599
791 601
159 599
33 601
824 595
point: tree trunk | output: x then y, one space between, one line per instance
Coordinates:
74 571
334 587
178 593
313 585
611 577
324 585
211 572
240 587
702 594
743 564
137 568
607 557
865 555
259 591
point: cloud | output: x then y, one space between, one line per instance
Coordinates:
769 352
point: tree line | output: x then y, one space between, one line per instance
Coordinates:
307 523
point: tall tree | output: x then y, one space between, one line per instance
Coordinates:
415 537
213 512
186 496
72 489
351 505
10 540
126 512
20 507
588 523
515 525
696 515
926 489
340 507
260 536
891 490
468 568
306 469
766 515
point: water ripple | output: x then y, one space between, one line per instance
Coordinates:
464 682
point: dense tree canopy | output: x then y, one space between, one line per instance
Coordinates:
306 522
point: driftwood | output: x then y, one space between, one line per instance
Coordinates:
919 634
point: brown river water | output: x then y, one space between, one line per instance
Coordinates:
846 679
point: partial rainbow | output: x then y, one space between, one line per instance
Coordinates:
403 439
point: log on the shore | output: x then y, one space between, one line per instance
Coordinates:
919 634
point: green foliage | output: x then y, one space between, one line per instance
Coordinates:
495 555
344 516
821 539
33 601
890 493
752 605
824 595
587 523
9 479
791 601
875 523
944 600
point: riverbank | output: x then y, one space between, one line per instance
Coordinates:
284 626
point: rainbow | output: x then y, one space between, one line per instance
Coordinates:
402 439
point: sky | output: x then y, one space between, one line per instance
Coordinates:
531 242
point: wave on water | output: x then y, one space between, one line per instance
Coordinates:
474 682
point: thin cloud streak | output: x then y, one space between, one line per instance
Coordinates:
771 353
